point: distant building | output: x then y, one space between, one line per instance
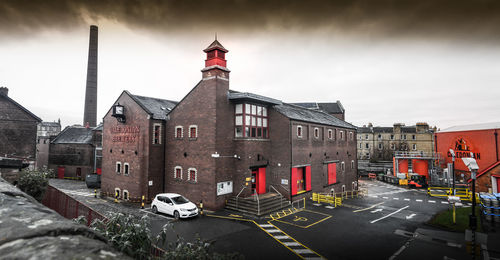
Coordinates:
17 136
75 152
479 141
45 131
333 108
379 143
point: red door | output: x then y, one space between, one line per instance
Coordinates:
60 172
300 180
259 181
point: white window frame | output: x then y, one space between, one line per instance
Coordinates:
330 134
118 170
392 137
196 128
366 137
123 195
379 136
351 135
119 192
403 137
380 146
195 175
182 132
342 166
414 137
301 131
175 171
159 133
316 130
341 133
367 146
360 145
414 147
127 166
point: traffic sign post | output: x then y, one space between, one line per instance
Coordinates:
455 201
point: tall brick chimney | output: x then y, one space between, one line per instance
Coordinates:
4 91
90 111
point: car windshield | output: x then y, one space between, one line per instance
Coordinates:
180 200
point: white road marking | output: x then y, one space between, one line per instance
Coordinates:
411 216
407 199
386 216
329 207
266 225
385 197
419 200
395 198
291 244
431 201
444 202
316 204
273 231
377 210
303 251
282 237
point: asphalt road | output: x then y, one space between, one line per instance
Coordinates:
389 223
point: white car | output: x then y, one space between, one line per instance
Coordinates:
174 204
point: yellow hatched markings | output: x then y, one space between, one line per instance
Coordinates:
291 238
368 207
302 219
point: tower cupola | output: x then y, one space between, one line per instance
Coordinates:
215 64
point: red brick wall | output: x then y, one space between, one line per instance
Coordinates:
136 153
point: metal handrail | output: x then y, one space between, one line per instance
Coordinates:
281 196
258 203
244 187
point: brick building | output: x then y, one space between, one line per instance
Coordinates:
46 132
482 141
217 142
73 153
17 129
333 108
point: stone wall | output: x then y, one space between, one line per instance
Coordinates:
30 230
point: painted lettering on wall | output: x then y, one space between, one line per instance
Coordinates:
464 149
125 134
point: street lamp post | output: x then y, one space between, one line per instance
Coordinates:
473 167
453 170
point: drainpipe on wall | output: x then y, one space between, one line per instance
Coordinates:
291 158
496 143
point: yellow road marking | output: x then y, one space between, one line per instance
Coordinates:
297 218
236 216
310 225
215 216
369 207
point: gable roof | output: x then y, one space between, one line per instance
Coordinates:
215 45
21 107
313 116
156 107
74 135
235 95
329 107
486 170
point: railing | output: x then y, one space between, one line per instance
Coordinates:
258 203
403 154
239 193
281 196
462 193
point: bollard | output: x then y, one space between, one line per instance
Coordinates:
142 202
116 196
95 193
201 207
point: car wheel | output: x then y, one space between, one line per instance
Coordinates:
155 210
176 214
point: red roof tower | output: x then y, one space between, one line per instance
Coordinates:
215 64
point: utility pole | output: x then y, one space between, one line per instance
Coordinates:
453 170
473 167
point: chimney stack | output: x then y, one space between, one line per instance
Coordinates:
90 111
4 91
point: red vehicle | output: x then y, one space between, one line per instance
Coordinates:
417 181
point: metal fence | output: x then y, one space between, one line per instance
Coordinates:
69 207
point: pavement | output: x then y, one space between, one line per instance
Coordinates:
389 223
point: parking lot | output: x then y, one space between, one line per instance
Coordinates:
389 223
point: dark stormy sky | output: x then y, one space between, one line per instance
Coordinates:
386 61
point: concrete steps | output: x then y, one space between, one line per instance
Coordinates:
268 203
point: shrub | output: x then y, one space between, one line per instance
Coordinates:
34 182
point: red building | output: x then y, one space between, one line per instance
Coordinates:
479 141
216 143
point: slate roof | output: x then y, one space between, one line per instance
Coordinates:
388 129
474 127
235 95
74 135
50 124
215 45
313 116
6 116
329 107
156 107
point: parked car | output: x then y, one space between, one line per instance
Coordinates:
93 181
174 204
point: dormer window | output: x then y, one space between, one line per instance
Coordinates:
251 121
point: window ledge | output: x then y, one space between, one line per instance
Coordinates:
251 139
193 138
